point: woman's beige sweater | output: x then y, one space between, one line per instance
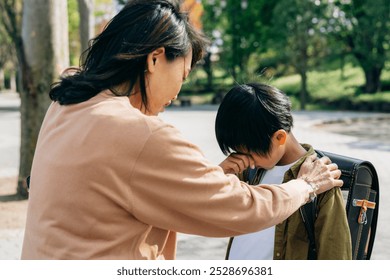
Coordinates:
108 182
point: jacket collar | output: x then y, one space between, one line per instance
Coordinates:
295 168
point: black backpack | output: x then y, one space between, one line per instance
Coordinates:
361 194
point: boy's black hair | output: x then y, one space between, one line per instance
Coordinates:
248 117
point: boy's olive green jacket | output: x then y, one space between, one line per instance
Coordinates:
332 235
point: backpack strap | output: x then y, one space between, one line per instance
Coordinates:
228 248
309 215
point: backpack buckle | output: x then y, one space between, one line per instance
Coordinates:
364 205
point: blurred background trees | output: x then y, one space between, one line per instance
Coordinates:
363 26
267 40
325 54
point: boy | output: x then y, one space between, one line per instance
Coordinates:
255 119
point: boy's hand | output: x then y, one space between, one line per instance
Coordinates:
236 163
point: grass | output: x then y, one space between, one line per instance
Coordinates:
333 86
377 97
330 86
327 84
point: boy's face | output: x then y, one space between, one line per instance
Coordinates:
268 161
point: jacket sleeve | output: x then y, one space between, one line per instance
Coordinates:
174 187
331 228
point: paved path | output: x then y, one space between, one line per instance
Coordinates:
197 124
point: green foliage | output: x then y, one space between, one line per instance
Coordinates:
362 28
333 88
241 30
270 39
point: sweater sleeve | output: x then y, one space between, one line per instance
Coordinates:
174 187
331 228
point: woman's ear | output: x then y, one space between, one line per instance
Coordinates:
154 58
280 136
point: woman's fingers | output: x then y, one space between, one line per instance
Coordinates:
335 173
338 183
332 166
321 172
325 160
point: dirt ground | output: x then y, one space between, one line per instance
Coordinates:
12 211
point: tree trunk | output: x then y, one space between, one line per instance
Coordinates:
2 79
44 56
301 67
87 22
372 76
303 92
12 81
209 70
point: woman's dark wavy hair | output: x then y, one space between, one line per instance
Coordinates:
119 53
248 117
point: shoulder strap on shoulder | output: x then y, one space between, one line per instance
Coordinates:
309 215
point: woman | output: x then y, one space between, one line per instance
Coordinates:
110 180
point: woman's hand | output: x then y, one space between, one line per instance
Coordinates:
322 173
236 163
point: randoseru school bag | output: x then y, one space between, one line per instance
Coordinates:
361 194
